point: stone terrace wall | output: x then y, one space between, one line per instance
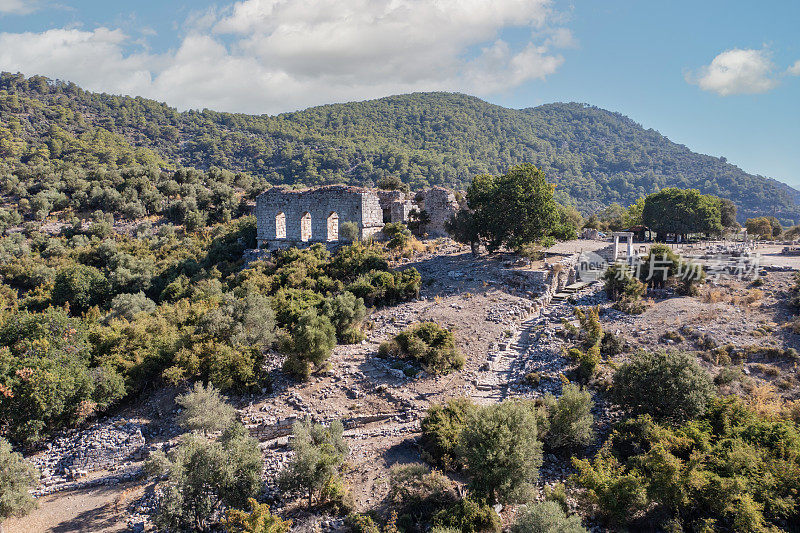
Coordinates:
350 204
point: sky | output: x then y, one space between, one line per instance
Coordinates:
721 77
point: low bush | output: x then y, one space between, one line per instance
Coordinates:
257 520
17 478
468 516
441 430
732 468
204 410
398 234
346 312
310 345
533 379
672 335
319 451
620 283
666 385
203 477
612 345
417 493
728 375
587 362
348 231
546 517
569 420
428 344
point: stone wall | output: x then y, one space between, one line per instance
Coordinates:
440 204
395 205
287 217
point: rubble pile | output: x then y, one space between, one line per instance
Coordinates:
103 446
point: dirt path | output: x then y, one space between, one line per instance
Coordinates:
94 509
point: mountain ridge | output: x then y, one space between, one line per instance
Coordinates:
595 156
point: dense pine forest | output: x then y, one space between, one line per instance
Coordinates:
62 146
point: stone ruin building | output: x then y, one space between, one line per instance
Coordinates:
289 217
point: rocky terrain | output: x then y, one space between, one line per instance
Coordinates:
507 327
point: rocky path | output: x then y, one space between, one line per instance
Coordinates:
532 348
491 384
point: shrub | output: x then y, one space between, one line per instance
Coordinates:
442 427
587 362
318 454
205 410
570 419
500 448
546 517
468 516
612 344
362 523
619 494
728 375
81 286
346 312
348 231
666 385
257 520
205 476
45 375
533 378
312 344
17 477
398 235
128 305
245 322
432 346
417 493
620 283
732 468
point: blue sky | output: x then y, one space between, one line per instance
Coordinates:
721 77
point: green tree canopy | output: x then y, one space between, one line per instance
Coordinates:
681 212
514 209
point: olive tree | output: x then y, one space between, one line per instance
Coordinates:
502 452
16 478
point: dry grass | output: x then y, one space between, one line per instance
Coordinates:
721 295
764 401
712 296
749 298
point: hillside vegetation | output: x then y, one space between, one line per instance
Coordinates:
595 156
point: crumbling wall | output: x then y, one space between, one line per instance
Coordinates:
395 205
287 217
441 205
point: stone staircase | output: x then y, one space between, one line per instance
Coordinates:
569 290
492 384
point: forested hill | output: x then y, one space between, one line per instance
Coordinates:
597 157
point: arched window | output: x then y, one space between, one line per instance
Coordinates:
333 226
305 227
280 226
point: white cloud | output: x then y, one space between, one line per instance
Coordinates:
794 70
92 57
736 71
18 7
275 55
